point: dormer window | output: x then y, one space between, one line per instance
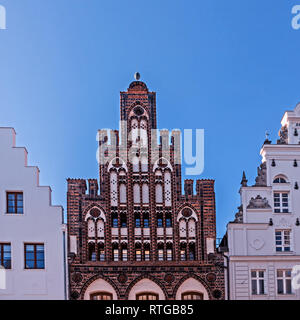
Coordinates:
279 180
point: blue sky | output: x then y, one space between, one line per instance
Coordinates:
230 67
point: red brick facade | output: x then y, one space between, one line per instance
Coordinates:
140 226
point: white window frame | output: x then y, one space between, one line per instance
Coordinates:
283 234
260 288
284 279
281 208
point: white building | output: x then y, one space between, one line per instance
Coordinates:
264 239
32 231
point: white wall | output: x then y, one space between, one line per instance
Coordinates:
40 223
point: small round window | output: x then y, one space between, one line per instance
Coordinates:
138 111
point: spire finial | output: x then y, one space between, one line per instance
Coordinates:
137 76
244 180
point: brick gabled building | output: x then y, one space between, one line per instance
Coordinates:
138 237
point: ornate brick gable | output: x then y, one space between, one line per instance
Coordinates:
140 227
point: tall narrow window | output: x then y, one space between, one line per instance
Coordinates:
159 220
168 220
34 256
145 192
146 220
134 131
113 189
168 193
182 251
92 251
169 252
137 218
284 282
123 197
15 202
192 251
281 202
146 252
91 228
115 252
257 282
143 133
101 251
100 228
135 164
136 193
114 220
160 252
138 252
5 255
158 193
123 220
124 252
283 240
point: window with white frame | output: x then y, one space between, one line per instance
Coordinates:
284 282
283 240
258 282
281 202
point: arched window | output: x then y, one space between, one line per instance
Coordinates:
91 228
138 252
158 193
168 220
123 220
160 220
115 248
147 296
192 251
100 228
124 252
134 131
145 192
192 296
143 133
101 296
182 228
123 197
114 189
137 219
136 193
182 251
92 251
147 251
101 251
279 180
160 252
114 220
146 220
168 193
169 251
192 228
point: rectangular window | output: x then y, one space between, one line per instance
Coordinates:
102 255
182 255
14 202
34 256
137 222
116 254
281 202
147 255
5 255
284 282
124 255
283 240
169 254
146 223
138 255
258 282
160 254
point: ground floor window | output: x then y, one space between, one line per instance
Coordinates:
284 281
258 282
101 296
147 296
192 296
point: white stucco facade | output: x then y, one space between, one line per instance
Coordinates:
37 225
264 239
